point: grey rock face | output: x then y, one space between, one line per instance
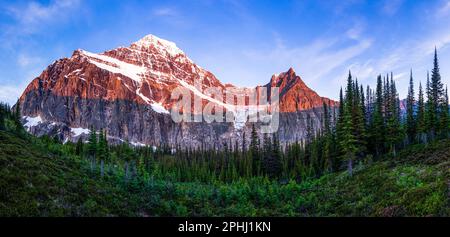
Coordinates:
139 124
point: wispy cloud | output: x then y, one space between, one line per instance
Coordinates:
172 16
165 12
445 9
415 54
25 60
318 59
10 93
32 16
392 6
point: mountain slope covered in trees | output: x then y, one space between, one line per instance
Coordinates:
42 178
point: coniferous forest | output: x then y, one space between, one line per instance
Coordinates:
369 158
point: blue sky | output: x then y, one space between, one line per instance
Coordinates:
241 42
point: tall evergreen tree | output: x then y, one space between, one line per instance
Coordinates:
348 140
102 151
393 126
421 123
272 162
377 133
430 111
267 154
79 147
435 99
92 147
340 122
358 120
410 118
444 119
363 106
17 118
254 151
328 146
2 117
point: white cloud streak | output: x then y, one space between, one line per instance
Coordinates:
316 60
30 18
392 6
10 93
165 11
25 60
445 9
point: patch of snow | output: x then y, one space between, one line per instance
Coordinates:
203 96
114 65
32 121
241 113
158 108
137 144
75 72
240 118
160 44
145 98
78 131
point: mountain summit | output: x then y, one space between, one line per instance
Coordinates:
127 91
295 95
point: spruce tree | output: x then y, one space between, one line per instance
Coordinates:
437 90
79 147
327 133
254 151
309 129
339 122
127 155
102 151
273 159
267 154
411 127
378 126
2 117
435 99
444 120
421 123
17 118
348 140
393 129
363 106
359 131
430 112
92 147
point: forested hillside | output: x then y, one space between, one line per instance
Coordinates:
40 177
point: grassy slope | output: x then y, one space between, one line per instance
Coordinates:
34 182
416 183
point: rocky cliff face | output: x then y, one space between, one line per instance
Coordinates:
294 94
127 91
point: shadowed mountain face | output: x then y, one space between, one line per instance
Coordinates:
127 91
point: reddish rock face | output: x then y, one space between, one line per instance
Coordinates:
294 94
146 72
128 90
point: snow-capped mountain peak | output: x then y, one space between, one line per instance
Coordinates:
128 90
161 44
